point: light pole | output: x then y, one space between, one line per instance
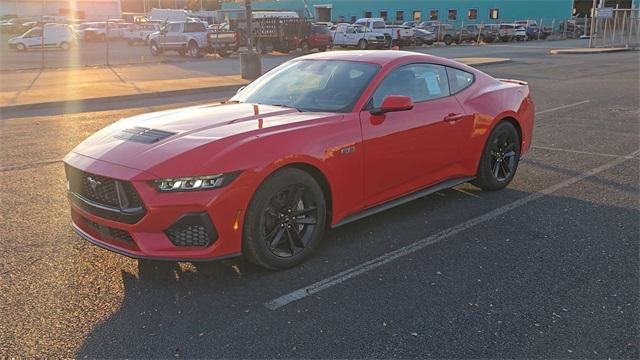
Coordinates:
250 62
593 23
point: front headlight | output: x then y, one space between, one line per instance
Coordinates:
207 182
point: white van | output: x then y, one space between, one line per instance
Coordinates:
55 36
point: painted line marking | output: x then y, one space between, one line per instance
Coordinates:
583 152
562 107
433 239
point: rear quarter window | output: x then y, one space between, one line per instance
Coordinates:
459 80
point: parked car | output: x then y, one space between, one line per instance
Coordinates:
507 32
395 35
318 142
320 38
521 33
358 36
411 24
423 37
489 33
55 36
100 31
445 33
139 33
15 26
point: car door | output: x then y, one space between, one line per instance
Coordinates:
339 35
352 36
409 150
33 38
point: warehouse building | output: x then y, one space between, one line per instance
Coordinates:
451 11
77 9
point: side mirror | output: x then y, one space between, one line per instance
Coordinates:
240 89
393 103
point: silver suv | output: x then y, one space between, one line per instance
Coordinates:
185 37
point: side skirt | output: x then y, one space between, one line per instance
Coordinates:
403 199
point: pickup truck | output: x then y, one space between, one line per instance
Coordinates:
192 38
394 35
346 35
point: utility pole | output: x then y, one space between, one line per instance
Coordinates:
250 62
593 23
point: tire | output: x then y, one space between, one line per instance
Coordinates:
155 49
65 46
272 237
482 39
322 48
194 50
21 47
500 158
429 43
223 53
448 40
362 44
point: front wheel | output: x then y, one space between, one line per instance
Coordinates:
194 50
65 45
155 49
285 220
21 47
500 158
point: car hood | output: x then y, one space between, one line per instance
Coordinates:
144 141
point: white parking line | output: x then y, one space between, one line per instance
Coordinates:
562 107
433 239
582 152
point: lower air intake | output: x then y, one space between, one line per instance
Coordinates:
192 230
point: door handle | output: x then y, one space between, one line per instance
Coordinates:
453 118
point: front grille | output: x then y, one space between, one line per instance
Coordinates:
192 230
117 234
102 190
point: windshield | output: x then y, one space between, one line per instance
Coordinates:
311 85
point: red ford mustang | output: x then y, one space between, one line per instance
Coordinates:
319 141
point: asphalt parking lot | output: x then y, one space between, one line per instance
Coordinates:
547 268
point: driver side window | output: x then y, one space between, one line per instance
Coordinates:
420 82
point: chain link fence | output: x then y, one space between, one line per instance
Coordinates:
622 29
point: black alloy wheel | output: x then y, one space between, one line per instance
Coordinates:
500 158
285 220
289 220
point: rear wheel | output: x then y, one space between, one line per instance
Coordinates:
285 220
194 50
64 45
500 158
322 48
362 44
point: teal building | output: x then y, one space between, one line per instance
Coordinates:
399 11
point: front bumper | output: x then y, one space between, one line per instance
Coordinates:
148 237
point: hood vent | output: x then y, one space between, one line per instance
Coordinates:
143 135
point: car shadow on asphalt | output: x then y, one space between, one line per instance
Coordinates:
216 309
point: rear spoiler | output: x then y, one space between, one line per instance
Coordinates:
513 81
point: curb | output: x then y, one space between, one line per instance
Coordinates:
586 51
102 100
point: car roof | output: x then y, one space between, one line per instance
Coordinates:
375 57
